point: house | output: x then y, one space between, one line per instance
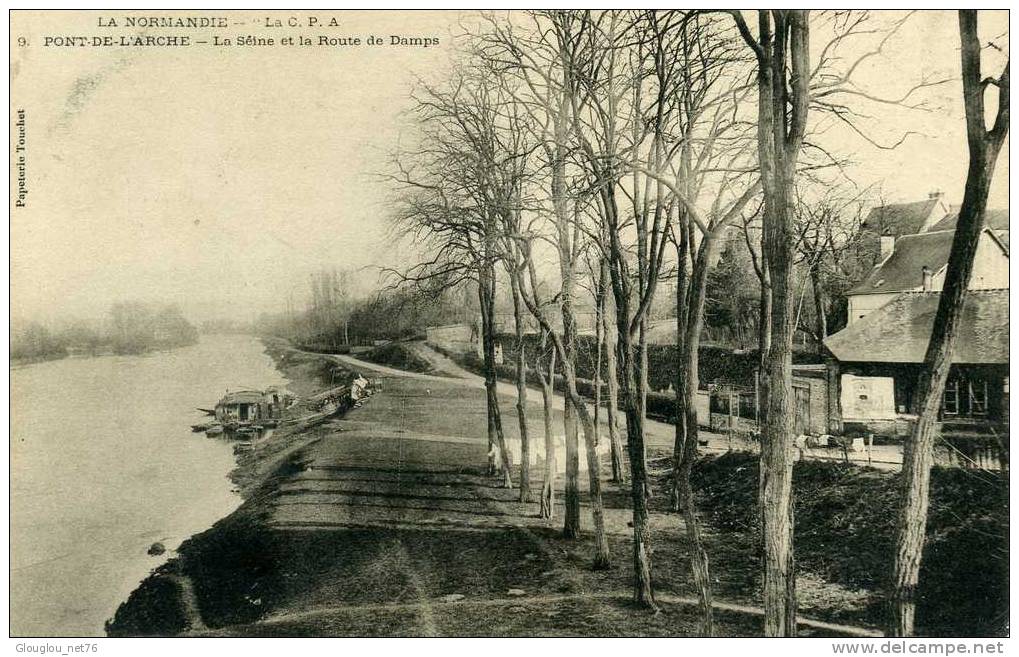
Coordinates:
917 263
874 363
898 219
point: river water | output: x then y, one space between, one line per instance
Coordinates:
104 463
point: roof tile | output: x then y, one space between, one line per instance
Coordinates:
903 270
899 331
900 218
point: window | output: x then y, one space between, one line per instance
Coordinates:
978 397
950 404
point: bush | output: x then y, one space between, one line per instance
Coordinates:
716 364
398 355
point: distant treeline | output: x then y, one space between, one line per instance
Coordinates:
131 327
334 318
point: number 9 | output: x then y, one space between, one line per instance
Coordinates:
22 41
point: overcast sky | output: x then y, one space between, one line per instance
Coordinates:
220 178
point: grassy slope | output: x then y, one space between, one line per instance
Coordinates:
845 536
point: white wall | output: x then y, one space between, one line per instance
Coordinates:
861 305
867 397
990 267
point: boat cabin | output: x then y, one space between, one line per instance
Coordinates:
249 407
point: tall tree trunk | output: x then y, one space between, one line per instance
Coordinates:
918 455
682 285
763 333
690 362
628 356
612 381
602 558
776 447
782 110
486 296
763 345
576 404
571 494
642 391
547 508
576 408
643 593
599 338
525 447
642 365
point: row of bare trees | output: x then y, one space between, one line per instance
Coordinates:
603 152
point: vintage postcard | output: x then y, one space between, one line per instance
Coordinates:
509 323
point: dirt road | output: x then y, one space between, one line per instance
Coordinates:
657 434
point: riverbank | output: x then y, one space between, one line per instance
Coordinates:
104 465
383 522
167 602
22 361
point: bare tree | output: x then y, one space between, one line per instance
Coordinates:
605 341
697 147
608 347
602 558
605 77
546 375
827 231
454 193
984 146
782 49
539 63
509 133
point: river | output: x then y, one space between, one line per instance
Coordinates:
104 464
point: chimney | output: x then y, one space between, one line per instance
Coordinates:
887 246
928 278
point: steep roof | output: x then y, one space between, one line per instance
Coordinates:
903 270
900 218
994 219
899 331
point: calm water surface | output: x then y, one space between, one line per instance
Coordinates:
104 463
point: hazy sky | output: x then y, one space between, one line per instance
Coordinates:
221 177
